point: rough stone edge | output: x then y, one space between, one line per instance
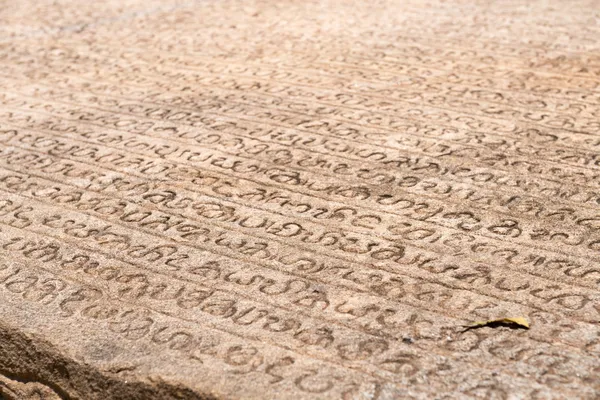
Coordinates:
27 358
16 390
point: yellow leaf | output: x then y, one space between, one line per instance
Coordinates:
520 322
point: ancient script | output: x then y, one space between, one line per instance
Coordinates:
299 199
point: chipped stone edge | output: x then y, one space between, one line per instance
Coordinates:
30 359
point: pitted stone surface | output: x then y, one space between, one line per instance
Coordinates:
299 199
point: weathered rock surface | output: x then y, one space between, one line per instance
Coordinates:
299 199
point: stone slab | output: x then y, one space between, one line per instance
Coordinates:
299 199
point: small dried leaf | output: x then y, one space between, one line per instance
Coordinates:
519 322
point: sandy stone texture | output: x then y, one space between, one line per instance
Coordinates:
296 199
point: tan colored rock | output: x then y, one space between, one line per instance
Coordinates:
15 390
299 200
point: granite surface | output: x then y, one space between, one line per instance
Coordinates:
299 199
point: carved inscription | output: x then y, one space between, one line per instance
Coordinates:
301 199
